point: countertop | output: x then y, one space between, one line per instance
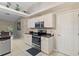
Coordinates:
46 35
4 38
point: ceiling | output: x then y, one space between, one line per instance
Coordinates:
30 7
13 16
8 17
22 5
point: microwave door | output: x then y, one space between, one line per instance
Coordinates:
42 25
37 25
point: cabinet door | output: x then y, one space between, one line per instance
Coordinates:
5 46
49 20
28 39
47 45
39 19
64 33
31 23
44 45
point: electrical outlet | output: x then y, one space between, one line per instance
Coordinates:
78 14
78 53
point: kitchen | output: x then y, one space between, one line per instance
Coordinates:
50 30
42 25
65 43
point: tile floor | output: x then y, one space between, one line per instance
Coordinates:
19 49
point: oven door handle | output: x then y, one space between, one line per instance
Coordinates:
39 41
36 36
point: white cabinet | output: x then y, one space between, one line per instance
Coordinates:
49 20
28 39
5 46
47 45
39 19
31 23
67 33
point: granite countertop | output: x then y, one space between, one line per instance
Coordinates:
28 33
2 38
46 35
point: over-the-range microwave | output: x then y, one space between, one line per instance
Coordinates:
39 25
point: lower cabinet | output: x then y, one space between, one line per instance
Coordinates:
5 46
47 45
28 39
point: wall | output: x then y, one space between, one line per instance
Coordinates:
42 5
18 32
4 25
24 28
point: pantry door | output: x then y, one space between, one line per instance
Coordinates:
64 33
76 33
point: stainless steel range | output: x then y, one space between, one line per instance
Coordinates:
36 44
36 41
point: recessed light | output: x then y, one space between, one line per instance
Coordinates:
7 13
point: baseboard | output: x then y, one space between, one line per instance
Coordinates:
55 50
6 53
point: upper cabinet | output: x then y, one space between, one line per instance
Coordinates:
31 23
49 21
39 19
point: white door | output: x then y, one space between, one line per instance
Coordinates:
64 33
76 33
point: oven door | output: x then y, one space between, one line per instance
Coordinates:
36 40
